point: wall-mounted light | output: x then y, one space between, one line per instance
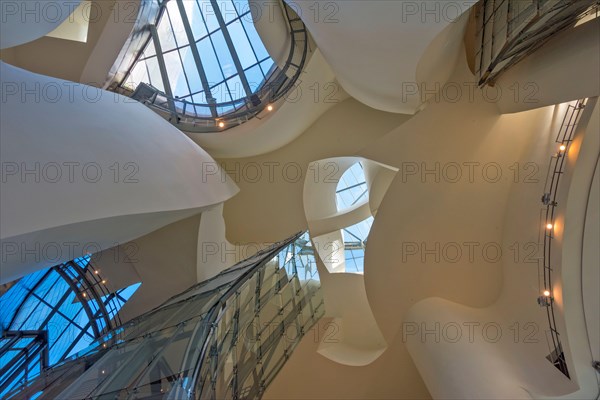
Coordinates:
546 299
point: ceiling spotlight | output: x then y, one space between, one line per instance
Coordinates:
547 293
221 124
269 107
103 281
84 295
549 226
562 147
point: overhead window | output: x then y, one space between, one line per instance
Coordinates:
355 240
204 54
352 188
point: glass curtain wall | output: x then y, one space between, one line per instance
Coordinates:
223 338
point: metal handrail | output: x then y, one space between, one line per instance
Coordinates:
556 169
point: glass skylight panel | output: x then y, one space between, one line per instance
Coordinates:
352 188
242 44
227 44
228 10
165 33
257 44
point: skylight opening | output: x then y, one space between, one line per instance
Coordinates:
355 240
212 55
352 188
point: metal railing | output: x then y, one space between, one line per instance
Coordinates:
556 169
509 30
227 337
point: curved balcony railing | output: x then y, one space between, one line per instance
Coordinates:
225 338
556 169
219 116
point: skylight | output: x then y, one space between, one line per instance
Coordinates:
352 188
211 53
355 238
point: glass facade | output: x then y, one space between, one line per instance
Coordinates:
52 314
223 338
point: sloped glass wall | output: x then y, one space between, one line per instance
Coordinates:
50 315
223 338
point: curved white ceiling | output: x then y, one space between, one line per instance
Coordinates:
293 114
27 20
374 47
80 163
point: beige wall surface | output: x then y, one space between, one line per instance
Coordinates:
269 205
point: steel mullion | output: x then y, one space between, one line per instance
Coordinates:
29 293
197 60
230 45
81 299
250 41
163 69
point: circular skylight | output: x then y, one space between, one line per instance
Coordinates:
211 53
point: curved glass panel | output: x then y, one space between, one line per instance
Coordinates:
209 53
221 339
352 187
51 315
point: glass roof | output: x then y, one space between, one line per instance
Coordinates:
211 52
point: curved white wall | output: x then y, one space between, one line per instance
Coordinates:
101 167
26 20
375 47
360 340
315 92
